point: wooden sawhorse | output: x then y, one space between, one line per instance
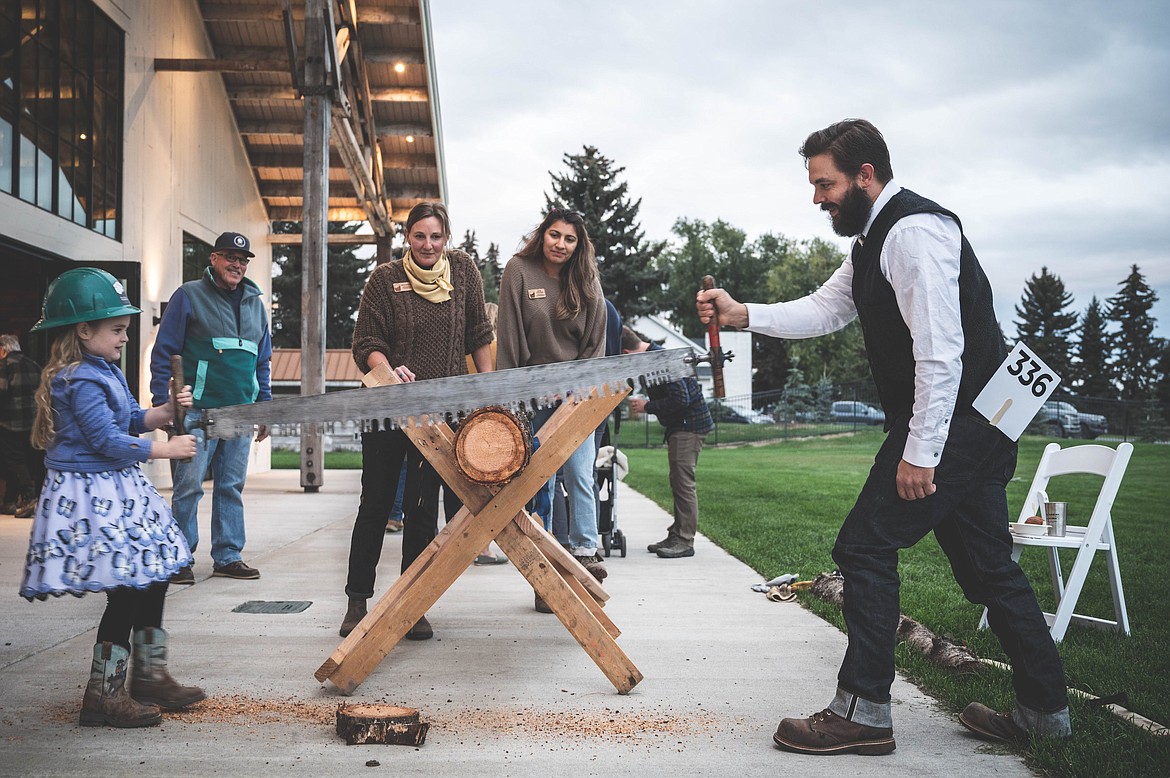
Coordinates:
493 513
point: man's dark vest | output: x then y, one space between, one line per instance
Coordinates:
887 339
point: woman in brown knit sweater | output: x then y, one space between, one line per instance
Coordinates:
552 310
421 315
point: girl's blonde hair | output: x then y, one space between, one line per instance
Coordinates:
65 354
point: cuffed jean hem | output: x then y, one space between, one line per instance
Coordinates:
1056 724
583 551
862 711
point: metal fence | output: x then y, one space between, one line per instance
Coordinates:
771 416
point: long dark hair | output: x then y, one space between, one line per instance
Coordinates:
579 278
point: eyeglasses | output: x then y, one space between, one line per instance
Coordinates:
234 259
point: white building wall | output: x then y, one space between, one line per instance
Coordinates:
184 170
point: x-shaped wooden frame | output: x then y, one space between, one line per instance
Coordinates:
493 513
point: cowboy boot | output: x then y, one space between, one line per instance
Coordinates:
353 615
151 683
106 701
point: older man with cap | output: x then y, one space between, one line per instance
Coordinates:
219 325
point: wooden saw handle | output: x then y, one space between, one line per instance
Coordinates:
716 349
178 381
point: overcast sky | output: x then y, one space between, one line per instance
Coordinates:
1044 125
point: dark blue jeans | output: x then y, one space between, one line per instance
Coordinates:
383 453
969 516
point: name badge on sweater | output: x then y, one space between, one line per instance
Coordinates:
535 294
402 286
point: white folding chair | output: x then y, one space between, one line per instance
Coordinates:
1096 536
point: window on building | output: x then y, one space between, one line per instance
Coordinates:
196 257
61 98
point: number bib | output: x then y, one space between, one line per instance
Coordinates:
1016 391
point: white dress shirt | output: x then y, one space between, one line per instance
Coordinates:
920 260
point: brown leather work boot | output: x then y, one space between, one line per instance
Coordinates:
150 682
992 725
106 701
828 733
593 565
354 614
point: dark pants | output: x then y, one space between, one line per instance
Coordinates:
128 609
22 465
968 514
382 455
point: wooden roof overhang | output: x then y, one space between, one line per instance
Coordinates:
386 150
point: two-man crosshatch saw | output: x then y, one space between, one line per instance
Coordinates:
490 465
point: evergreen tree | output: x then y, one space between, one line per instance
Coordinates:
625 259
490 270
489 265
1162 390
1045 326
346 275
1090 372
470 245
1135 348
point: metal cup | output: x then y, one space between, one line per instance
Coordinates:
1055 518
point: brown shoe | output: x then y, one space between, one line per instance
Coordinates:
237 570
667 541
353 615
828 733
26 510
185 576
107 702
992 725
421 630
393 525
150 680
542 606
593 565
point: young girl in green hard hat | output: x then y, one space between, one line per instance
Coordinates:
100 525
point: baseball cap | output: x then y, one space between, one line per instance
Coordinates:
233 241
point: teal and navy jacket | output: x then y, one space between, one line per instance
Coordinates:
224 340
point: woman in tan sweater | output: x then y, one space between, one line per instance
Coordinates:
552 310
420 315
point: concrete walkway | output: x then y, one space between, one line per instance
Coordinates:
507 690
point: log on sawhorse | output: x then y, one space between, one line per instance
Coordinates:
493 513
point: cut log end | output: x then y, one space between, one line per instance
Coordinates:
390 725
492 445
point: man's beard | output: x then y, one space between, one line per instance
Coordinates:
852 214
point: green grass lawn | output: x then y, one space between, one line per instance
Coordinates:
778 508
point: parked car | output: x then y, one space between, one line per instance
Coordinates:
725 414
851 412
1059 419
1090 424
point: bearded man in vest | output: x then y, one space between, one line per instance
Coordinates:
932 339
219 324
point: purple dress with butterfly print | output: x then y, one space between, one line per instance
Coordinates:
100 523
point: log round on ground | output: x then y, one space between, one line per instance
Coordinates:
365 723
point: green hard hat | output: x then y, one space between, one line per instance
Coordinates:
83 294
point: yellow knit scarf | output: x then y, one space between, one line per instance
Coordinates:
432 284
